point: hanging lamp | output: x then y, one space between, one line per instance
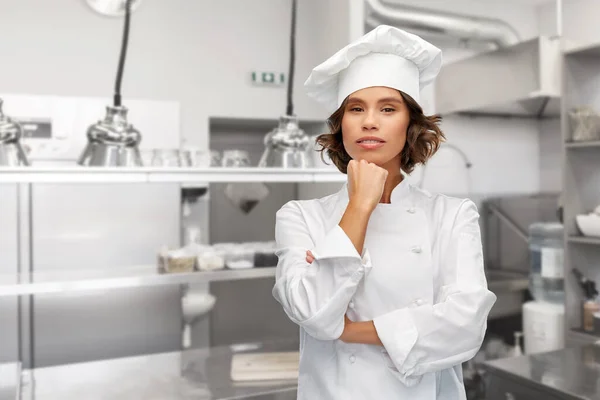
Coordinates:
113 141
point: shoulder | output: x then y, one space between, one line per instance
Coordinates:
446 210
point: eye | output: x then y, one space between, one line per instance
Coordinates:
356 109
388 109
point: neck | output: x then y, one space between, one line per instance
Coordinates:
393 179
391 182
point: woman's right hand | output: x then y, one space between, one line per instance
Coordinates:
365 184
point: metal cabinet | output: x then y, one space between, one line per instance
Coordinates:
502 388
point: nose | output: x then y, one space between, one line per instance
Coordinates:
370 121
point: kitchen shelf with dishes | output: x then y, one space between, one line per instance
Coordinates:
581 190
183 175
188 265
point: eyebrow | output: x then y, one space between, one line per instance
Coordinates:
384 100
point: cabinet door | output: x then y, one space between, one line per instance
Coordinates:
500 388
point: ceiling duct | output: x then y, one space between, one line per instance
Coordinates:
518 78
459 26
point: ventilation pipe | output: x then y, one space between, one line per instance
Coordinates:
462 27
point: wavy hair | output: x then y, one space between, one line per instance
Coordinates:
423 137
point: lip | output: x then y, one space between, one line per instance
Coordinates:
370 146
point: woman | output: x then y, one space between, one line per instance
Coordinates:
385 280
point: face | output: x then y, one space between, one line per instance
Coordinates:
374 126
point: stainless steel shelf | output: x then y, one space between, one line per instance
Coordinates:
581 336
130 277
590 49
584 240
77 174
583 145
199 374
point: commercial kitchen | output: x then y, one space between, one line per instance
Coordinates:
146 146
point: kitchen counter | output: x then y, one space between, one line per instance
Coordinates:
199 374
571 374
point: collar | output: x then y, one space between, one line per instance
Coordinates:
399 193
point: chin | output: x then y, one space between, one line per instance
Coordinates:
372 157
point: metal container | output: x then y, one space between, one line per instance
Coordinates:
287 146
11 152
112 142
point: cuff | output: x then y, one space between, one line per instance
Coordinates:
337 244
398 334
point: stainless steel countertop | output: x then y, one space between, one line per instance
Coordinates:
200 374
572 371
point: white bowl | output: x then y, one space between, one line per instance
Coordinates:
589 224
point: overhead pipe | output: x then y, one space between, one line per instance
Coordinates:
460 26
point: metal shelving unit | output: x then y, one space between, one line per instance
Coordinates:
131 277
581 181
88 175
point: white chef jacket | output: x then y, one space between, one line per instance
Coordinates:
420 279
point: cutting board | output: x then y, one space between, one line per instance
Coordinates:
265 366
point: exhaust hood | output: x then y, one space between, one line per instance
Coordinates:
521 80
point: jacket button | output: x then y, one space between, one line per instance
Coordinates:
416 249
351 304
419 302
352 359
411 210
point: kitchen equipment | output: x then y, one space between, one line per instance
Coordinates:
588 224
166 158
112 8
590 304
240 257
516 351
11 151
113 142
265 366
585 124
236 158
215 158
288 146
543 326
246 195
194 304
194 157
546 275
526 81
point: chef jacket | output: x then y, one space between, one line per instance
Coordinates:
420 279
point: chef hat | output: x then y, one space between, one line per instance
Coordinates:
386 56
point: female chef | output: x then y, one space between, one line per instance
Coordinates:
385 280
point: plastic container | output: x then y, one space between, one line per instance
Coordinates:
546 275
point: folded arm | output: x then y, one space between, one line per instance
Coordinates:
433 337
316 295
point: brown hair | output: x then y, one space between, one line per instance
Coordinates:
423 137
